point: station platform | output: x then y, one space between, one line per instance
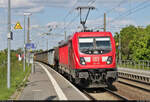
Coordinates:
46 84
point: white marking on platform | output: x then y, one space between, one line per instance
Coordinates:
86 98
59 92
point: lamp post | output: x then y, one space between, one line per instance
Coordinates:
24 62
28 34
119 49
9 44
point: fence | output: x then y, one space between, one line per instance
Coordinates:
141 64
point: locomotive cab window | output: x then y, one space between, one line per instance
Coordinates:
85 43
103 43
95 45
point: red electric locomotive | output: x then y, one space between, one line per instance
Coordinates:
88 59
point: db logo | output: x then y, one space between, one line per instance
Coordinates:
95 59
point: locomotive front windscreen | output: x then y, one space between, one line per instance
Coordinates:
95 45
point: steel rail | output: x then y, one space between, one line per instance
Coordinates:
116 94
88 95
134 86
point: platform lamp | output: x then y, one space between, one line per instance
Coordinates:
28 15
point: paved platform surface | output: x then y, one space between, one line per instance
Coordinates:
136 71
47 84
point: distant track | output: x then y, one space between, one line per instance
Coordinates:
135 86
133 90
122 96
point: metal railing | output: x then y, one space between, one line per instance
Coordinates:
141 64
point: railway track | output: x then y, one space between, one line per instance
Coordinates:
103 94
135 84
133 90
117 94
125 90
88 95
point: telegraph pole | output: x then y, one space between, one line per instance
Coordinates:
104 22
24 62
9 44
28 38
65 35
28 33
47 44
119 49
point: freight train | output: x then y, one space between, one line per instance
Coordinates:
87 59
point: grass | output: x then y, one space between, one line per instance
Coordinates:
17 76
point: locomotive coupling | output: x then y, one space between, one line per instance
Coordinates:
84 75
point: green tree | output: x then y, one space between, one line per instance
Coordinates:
140 45
126 35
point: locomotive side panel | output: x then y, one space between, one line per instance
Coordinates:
63 56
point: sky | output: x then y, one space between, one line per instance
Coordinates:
57 16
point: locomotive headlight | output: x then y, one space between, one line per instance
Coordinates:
104 58
87 59
82 61
109 60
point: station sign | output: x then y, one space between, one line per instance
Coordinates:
30 46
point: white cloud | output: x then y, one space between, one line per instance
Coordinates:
58 3
35 9
17 3
22 3
39 5
124 22
117 25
